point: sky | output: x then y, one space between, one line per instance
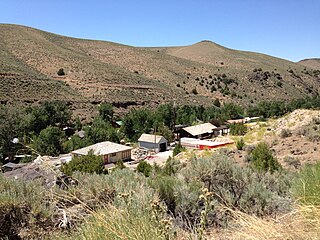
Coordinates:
288 29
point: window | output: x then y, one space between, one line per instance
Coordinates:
113 154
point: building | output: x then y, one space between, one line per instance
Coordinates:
193 143
153 142
10 166
111 152
200 131
221 131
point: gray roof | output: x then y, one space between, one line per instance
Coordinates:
13 165
102 148
200 129
151 138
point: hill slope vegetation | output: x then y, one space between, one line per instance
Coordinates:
126 76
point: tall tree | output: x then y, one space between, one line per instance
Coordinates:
106 112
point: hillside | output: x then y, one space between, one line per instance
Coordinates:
311 63
128 76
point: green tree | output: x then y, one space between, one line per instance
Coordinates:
54 113
238 129
262 159
232 111
89 163
145 168
136 122
106 112
165 114
10 120
165 132
75 142
49 141
101 131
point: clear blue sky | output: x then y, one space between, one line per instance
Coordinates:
288 29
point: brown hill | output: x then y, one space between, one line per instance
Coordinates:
311 63
127 76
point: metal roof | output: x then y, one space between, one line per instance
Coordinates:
151 138
200 129
102 148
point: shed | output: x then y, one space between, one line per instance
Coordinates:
111 152
200 131
155 142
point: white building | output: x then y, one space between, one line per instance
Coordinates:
153 142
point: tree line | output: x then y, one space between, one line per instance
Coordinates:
43 129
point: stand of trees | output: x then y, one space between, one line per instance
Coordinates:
41 127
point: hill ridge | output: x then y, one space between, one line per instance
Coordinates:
101 71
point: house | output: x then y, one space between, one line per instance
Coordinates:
111 152
153 142
193 143
236 121
221 131
200 131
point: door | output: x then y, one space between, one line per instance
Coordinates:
163 147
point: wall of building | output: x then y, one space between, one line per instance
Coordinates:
149 145
119 156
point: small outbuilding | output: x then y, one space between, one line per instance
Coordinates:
200 131
153 142
111 152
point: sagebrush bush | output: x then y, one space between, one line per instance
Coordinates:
23 205
127 211
238 187
285 133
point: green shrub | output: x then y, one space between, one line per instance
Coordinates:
171 167
240 144
306 185
24 205
165 187
145 168
88 163
194 91
285 133
262 159
237 187
178 149
238 129
61 72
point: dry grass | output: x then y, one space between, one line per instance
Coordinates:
303 223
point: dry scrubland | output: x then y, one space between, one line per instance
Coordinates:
129 76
